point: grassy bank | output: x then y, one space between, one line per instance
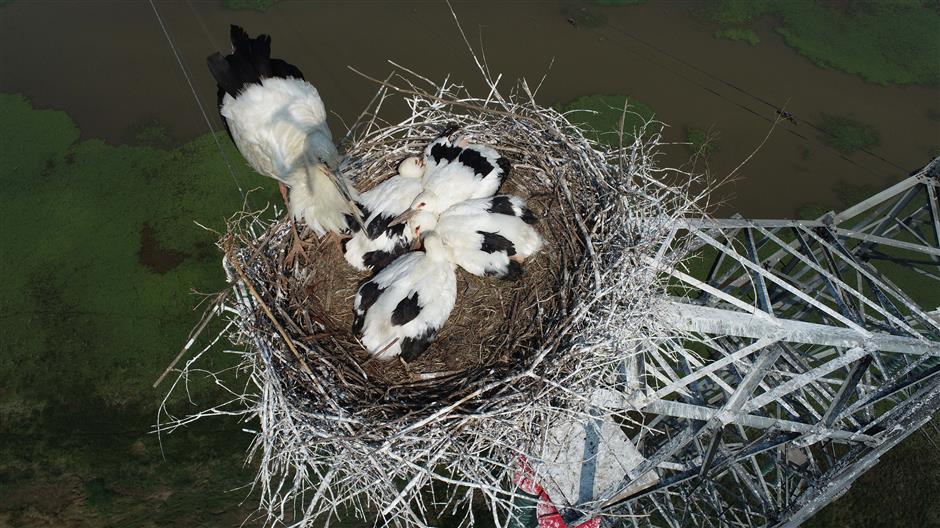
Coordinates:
886 42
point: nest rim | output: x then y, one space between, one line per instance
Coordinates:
338 422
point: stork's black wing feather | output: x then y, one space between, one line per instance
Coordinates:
261 56
476 161
378 225
369 292
501 205
406 310
377 260
528 216
504 164
444 151
412 347
284 69
493 242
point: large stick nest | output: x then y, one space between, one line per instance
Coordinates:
339 434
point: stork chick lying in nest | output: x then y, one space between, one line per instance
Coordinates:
453 210
448 173
401 309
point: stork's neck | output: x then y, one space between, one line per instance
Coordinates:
435 249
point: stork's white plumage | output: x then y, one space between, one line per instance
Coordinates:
477 172
400 311
278 122
486 236
456 174
376 246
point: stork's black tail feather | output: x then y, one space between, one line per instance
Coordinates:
249 63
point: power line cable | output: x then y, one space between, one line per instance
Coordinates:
739 89
742 106
192 89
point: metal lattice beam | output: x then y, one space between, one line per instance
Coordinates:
798 362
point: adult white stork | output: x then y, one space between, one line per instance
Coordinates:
400 310
278 122
456 174
379 244
486 236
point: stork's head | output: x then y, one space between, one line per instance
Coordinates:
426 201
320 149
412 167
420 223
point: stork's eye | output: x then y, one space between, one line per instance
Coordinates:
422 204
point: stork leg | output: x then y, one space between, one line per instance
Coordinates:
296 245
411 374
334 239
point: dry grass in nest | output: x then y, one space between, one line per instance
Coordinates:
491 323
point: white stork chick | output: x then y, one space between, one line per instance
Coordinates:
378 244
486 236
443 150
477 171
278 122
399 311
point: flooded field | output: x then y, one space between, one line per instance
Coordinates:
109 65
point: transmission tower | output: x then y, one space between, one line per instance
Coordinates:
803 352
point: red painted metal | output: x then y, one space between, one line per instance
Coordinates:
546 512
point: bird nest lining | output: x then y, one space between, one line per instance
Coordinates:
338 433
495 323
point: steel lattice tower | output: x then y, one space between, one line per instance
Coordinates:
799 359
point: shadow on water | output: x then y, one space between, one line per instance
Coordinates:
155 257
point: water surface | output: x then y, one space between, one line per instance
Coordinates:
108 64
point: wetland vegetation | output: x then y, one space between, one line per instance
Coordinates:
100 258
600 116
886 42
848 135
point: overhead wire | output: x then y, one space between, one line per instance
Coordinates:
743 91
192 89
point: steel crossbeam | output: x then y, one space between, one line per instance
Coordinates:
797 362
